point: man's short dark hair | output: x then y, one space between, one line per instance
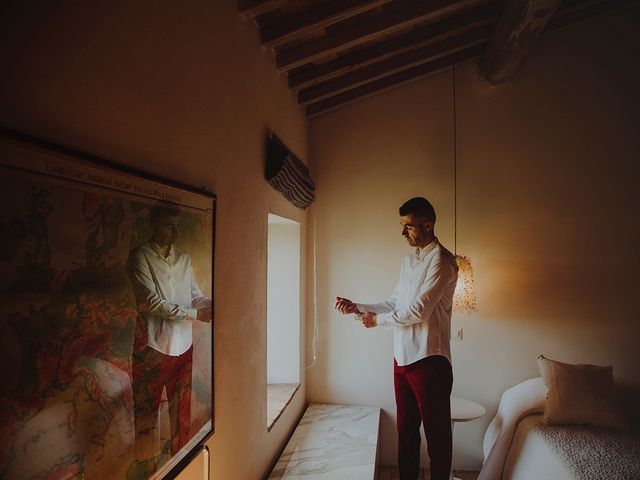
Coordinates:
419 207
163 209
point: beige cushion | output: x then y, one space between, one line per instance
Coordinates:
580 394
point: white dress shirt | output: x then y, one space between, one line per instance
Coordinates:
168 297
419 310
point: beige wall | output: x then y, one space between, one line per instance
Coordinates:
283 301
547 210
198 468
181 90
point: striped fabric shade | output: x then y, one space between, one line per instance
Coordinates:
286 173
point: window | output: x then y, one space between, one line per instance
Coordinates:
283 314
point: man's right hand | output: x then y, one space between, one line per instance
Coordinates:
346 306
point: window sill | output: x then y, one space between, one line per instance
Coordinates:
279 395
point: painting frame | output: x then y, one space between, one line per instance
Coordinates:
81 192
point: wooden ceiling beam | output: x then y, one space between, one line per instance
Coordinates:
250 9
419 37
386 83
402 17
395 64
521 23
314 19
576 10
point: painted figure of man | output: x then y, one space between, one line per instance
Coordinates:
419 311
169 301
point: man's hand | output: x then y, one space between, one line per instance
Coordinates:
369 320
204 314
346 306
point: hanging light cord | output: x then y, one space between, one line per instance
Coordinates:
455 167
314 342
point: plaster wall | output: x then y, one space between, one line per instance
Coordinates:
283 303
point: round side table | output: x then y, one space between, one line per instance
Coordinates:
464 411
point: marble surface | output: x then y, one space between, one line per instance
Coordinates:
331 442
278 397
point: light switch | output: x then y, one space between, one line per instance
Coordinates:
457 335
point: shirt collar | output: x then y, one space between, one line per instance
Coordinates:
156 248
422 252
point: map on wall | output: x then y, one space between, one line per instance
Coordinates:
71 321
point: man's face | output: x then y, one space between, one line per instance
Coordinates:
165 230
416 230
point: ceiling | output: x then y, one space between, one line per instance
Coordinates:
334 52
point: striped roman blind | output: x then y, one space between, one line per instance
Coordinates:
286 173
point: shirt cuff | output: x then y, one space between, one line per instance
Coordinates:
383 319
192 314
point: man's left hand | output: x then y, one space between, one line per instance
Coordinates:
204 314
369 320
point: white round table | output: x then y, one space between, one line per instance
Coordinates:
464 411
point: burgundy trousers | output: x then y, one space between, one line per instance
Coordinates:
152 372
423 391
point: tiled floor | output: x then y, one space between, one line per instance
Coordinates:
391 473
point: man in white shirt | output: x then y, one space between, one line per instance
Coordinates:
169 301
419 311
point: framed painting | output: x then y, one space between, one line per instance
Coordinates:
106 320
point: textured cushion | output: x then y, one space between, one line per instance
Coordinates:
628 394
580 394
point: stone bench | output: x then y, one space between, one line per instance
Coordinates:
332 442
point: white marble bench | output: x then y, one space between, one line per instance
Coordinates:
332 442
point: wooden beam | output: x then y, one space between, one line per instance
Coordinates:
418 37
254 8
395 64
386 83
576 10
401 17
573 5
314 19
521 23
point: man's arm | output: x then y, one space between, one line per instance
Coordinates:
438 279
346 306
148 300
198 299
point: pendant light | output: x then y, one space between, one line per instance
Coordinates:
464 297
